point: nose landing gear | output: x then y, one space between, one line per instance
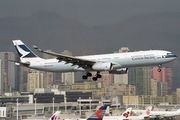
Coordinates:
159 68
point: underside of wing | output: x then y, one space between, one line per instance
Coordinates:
69 59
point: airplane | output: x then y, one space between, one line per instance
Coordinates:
55 116
98 115
144 114
116 63
164 114
124 116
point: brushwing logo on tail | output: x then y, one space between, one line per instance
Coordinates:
24 52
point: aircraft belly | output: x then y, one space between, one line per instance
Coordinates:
140 62
60 67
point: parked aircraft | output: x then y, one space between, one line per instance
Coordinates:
116 63
164 114
124 116
144 114
98 115
55 116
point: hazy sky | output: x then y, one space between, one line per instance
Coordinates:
89 12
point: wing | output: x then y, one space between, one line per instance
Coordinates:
69 59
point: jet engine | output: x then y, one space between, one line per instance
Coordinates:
101 66
119 71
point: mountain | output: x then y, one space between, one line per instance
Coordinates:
49 30
143 32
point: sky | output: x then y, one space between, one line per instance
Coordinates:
89 12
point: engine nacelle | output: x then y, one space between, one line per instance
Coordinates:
100 66
119 71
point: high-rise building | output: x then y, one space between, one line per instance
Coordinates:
130 90
154 87
1 79
143 81
164 76
23 78
48 76
132 76
178 91
169 80
67 78
35 80
122 78
162 89
9 69
106 78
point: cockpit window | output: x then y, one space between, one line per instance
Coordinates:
169 53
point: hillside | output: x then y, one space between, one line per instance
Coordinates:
49 30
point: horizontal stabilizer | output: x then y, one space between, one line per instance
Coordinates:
20 63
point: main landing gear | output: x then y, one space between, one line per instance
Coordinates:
97 76
88 74
159 68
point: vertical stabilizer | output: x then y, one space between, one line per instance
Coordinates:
126 114
23 51
55 116
98 115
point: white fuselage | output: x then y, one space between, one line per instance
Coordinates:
119 60
165 113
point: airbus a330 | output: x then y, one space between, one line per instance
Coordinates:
115 63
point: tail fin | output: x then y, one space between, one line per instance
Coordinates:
126 114
55 116
178 110
98 115
147 111
23 50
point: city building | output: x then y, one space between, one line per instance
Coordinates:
178 92
132 76
106 78
143 81
8 69
131 100
172 99
23 76
154 87
94 87
121 78
164 76
35 80
161 89
67 78
1 79
130 90
115 90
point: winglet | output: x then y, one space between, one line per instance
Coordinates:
36 48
